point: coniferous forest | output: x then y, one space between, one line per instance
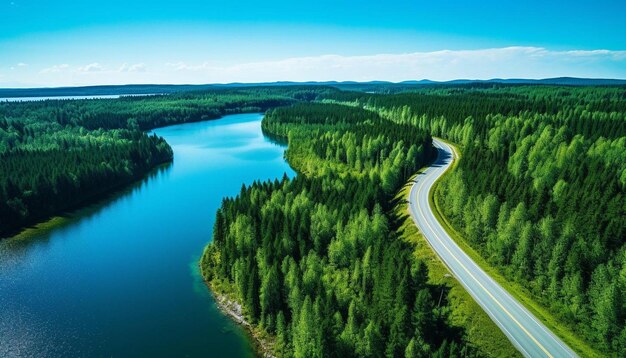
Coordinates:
538 191
312 179
315 260
56 154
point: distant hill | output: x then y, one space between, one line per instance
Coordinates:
567 81
365 86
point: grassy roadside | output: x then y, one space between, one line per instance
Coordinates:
465 312
523 295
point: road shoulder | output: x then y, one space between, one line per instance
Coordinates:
521 294
482 332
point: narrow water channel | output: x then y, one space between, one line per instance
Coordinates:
120 278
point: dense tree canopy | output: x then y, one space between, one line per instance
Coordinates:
539 189
315 259
56 154
539 192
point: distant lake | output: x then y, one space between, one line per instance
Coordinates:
104 96
121 278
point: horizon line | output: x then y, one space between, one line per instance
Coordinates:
314 82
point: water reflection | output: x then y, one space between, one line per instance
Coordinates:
40 233
120 277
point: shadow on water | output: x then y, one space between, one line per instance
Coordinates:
108 279
274 139
39 233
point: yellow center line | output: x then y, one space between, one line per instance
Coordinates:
479 283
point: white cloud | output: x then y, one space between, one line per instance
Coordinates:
19 65
614 55
182 66
92 67
508 62
138 67
55 68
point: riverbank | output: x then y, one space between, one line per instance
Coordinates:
95 282
223 293
103 197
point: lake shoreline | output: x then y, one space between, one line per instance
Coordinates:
60 217
87 273
50 222
233 309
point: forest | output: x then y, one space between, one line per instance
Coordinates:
58 154
316 260
538 191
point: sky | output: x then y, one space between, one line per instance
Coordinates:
72 43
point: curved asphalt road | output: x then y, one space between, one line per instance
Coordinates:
528 335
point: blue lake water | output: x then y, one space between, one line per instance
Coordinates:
120 278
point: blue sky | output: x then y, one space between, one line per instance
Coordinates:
56 43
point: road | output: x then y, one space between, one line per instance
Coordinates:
526 333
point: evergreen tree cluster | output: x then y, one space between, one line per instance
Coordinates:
38 183
57 154
539 190
316 260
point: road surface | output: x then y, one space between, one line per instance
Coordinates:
528 335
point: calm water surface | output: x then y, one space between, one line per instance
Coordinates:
120 278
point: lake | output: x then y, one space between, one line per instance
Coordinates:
120 278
